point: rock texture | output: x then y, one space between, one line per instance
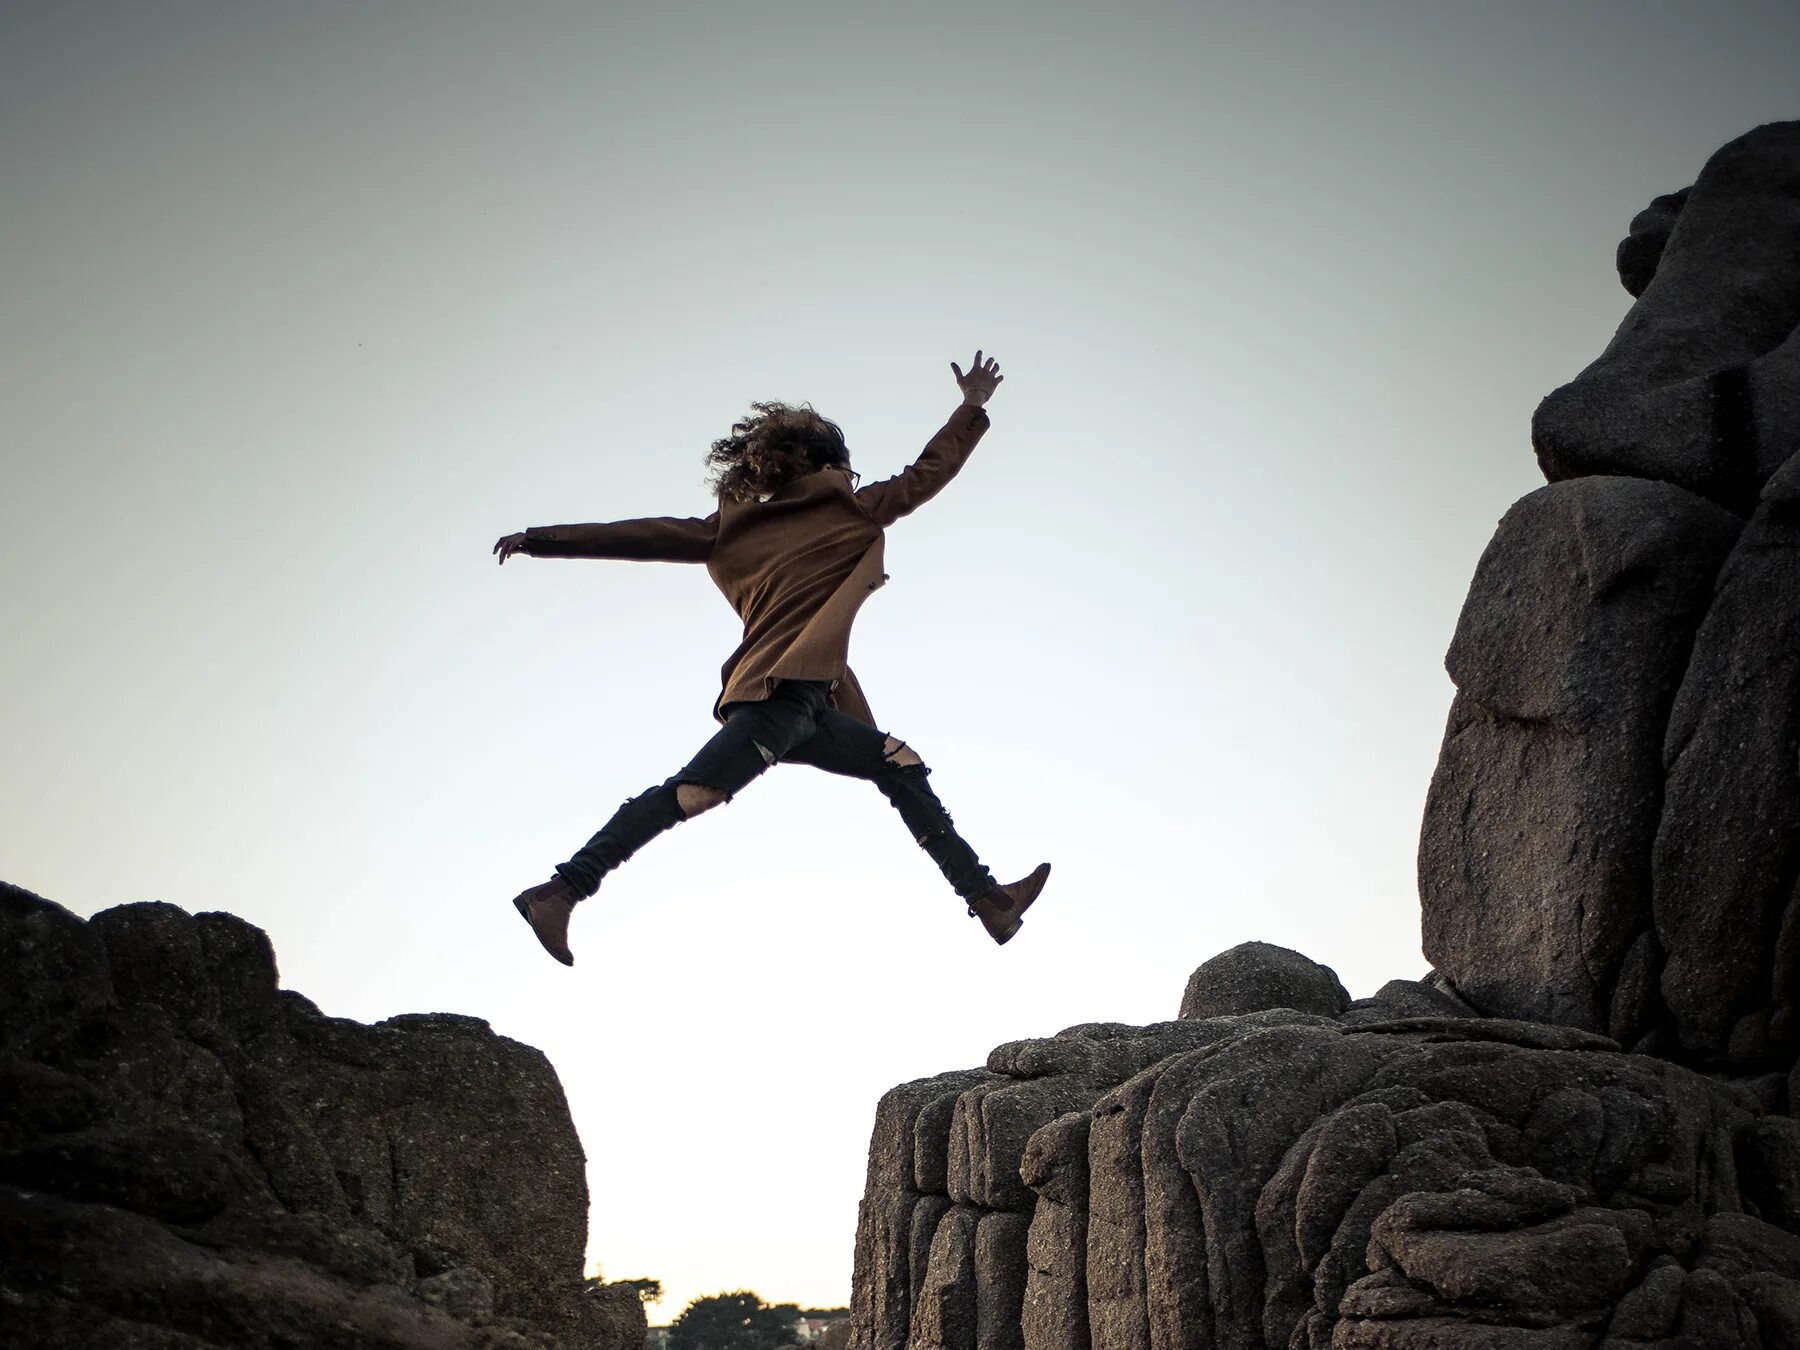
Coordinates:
193 1157
1612 837
1279 1178
1727 860
1578 1131
1534 860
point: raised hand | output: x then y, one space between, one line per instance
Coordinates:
979 384
510 544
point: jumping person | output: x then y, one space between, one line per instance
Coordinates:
796 547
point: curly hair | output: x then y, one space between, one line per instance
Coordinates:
776 444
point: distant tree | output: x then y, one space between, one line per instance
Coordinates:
825 1314
734 1321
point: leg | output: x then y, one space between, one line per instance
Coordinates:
754 736
842 745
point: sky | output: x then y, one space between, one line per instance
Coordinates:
307 304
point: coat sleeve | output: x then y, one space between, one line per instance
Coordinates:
936 465
650 539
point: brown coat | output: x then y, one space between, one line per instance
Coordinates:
795 567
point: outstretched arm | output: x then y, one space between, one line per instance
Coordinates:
943 454
651 539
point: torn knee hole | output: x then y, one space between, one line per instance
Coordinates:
693 798
763 750
898 753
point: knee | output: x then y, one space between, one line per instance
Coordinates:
899 754
693 798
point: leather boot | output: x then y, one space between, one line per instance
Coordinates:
1000 909
547 908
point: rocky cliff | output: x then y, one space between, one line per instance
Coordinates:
1579 1131
192 1157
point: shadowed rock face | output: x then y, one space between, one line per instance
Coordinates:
1641 250
1612 837
1727 861
1535 854
190 1156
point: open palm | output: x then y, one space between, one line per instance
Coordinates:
979 384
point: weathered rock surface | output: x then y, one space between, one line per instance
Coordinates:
1701 384
1284 1179
193 1157
1254 976
1640 251
1534 855
1727 864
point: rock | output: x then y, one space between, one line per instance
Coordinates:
1542 1273
1054 1311
1254 976
1768 1169
947 1306
993 1123
240 964
1473 1181
1117 1316
167 1171
136 1281
1700 386
1537 1035
463 1292
1728 846
38 1100
191 1157
1000 1269
1404 998
1641 250
58 986
908 1170
1535 850
155 954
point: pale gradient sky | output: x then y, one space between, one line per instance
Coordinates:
306 304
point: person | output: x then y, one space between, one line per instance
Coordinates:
796 546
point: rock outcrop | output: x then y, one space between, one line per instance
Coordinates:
191 1156
1280 1178
1612 837
1567 657
1578 1132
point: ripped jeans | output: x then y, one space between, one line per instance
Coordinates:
794 725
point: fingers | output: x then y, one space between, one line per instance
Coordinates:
989 369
